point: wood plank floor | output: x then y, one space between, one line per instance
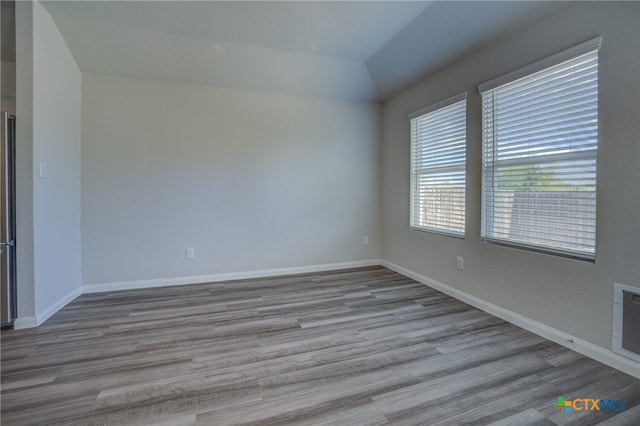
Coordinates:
355 347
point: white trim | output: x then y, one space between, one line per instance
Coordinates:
454 234
55 307
581 346
438 105
575 255
617 320
565 55
24 322
230 276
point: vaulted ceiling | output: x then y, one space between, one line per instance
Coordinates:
354 50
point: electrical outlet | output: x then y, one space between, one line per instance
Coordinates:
365 241
43 170
191 252
460 262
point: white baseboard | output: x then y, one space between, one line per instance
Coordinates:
59 304
581 346
196 279
34 321
25 322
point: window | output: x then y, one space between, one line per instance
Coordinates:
540 139
438 154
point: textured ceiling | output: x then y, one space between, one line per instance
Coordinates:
443 34
355 50
346 29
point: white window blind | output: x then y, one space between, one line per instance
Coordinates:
438 159
540 139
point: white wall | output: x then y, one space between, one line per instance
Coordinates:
251 180
56 142
572 296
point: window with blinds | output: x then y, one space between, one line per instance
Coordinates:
540 140
438 160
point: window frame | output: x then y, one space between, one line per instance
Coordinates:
487 89
431 109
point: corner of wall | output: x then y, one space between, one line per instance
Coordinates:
24 161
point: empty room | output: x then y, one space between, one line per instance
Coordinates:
320 213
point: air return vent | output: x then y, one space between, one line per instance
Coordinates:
626 321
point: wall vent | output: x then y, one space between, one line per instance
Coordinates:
626 321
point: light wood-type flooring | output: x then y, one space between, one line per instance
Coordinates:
354 347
